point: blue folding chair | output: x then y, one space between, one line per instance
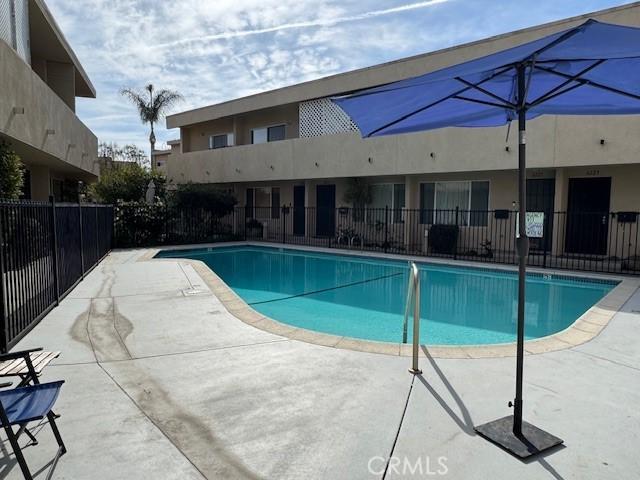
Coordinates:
27 404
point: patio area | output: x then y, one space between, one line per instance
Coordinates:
163 382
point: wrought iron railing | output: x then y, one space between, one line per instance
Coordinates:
606 242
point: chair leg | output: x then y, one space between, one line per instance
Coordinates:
23 429
34 440
56 432
18 453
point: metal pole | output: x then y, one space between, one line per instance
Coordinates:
54 241
81 239
4 331
97 236
415 368
522 246
386 228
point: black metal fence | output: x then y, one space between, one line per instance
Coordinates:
45 249
605 242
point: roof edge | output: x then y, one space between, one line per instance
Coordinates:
65 44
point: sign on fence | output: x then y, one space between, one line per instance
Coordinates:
535 224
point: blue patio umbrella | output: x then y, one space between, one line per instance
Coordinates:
592 69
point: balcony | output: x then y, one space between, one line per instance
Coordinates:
43 129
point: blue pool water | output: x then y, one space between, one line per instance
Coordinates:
364 297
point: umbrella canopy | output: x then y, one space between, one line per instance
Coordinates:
592 69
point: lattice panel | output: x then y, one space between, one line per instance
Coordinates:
22 29
323 117
5 21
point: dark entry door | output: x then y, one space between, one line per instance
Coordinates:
540 198
298 210
588 215
325 210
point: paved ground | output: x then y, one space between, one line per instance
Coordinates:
163 383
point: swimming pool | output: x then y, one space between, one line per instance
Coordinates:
364 297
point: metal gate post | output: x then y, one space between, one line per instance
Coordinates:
81 239
54 235
4 330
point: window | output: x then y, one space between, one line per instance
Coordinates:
263 202
439 201
275 134
268 134
383 196
221 141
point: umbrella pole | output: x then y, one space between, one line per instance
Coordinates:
517 437
522 248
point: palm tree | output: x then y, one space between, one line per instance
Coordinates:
152 107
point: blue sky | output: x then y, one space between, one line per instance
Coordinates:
216 50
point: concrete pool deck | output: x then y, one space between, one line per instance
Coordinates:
163 382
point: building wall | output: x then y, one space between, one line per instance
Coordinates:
553 142
42 128
196 137
625 196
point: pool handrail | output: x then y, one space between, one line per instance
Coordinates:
413 296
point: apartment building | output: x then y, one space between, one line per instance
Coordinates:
293 146
40 80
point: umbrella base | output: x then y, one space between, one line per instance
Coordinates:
531 442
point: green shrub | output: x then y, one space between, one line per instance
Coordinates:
209 198
126 183
11 172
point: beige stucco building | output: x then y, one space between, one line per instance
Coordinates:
294 147
40 79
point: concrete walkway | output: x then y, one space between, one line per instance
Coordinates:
163 383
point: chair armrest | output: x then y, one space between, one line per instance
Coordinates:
20 354
6 384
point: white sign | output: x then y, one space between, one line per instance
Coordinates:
535 224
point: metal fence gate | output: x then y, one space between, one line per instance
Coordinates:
45 249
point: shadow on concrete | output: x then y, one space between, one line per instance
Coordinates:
8 460
466 422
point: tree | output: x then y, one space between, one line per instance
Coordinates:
127 183
127 153
11 172
152 106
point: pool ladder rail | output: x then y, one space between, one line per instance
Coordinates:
413 299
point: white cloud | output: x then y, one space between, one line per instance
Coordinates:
215 50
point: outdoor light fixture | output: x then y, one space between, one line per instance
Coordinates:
18 110
271 167
602 141
317 164
370 160
432 155
507 149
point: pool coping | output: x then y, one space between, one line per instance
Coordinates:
587 327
